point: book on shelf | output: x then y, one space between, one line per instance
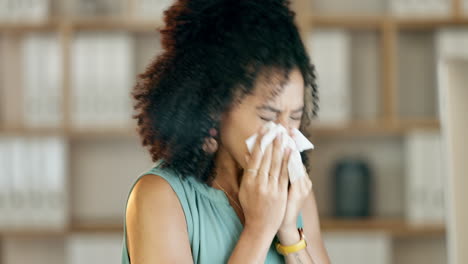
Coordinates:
425 185
421 8
452 42
149 9
24 10
358 248
92 248
33 183
149 46
452 73
102 77
10 81
4 182
42 80
330 53
89 8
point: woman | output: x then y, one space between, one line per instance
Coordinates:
228 67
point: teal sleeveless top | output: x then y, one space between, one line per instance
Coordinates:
213 226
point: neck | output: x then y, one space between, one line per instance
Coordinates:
228 172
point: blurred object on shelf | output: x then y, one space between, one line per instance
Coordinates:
33 192
42 86
352 183
150 9
330 51
24 10
421 8
95 8
10 82
424 178
102 74
416 90
93 248
452 42
359 248
453 80
347 8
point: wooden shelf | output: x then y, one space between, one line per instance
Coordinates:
346 21
91 23
51 24
109 23
409 124
430 23
102 133
354 128
357 128
139 25
32 233
100 227
72 134
377 22
32 132
395 227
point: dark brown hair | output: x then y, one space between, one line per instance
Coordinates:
213 51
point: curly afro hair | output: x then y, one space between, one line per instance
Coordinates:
213 51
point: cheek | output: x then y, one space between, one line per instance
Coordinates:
234 135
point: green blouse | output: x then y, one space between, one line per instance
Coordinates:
213 225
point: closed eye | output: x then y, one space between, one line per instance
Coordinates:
268 119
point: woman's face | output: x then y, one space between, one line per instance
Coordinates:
255 110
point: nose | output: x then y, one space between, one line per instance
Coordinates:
285 123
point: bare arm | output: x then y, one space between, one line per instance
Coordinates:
301 257
315 252
252 247
315 247
156 227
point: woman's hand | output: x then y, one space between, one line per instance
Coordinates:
263 191
298 192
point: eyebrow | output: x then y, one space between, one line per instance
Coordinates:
272 109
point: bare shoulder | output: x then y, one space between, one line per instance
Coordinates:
316 246
156 227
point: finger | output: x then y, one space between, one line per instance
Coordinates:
264 170
255 159
276 159
301 183
212 145
308 184
284 176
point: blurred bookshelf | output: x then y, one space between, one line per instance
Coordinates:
382 40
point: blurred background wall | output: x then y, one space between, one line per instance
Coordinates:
69 151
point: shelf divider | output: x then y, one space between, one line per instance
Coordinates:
388 47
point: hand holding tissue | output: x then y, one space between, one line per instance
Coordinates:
297 144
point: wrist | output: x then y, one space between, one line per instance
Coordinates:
288 235
261 233
294 247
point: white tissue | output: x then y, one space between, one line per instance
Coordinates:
297 144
